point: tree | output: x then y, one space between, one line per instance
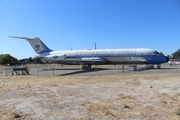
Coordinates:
176 55
7 59
38 60
30 60
170 56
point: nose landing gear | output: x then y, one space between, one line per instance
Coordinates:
158 66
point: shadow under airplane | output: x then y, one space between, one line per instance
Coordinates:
83 71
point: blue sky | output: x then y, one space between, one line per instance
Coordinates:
78 24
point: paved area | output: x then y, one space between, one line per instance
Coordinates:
99 70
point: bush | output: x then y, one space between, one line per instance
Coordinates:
16 115
126 106
178 113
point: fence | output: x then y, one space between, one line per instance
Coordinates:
60 70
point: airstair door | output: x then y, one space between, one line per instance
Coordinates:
150 57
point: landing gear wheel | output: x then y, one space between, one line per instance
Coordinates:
89 66
86 67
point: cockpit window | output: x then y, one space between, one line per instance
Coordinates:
157 53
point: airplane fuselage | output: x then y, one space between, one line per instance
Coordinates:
105 56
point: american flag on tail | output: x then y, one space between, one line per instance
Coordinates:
36 47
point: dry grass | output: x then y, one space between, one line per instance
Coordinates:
147 96
54 80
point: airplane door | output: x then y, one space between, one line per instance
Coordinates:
150 57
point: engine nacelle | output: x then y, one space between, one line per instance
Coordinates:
55 57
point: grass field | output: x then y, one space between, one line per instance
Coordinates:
110 97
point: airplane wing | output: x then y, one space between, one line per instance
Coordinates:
92 61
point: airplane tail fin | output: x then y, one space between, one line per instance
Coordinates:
38 46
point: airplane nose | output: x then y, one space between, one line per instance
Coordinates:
167 59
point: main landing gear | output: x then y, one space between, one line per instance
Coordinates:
86 66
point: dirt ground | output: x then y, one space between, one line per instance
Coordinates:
107 97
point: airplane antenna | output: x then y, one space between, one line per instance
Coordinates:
95 46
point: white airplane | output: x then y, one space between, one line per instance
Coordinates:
87 58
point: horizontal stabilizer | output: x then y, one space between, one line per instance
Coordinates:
20 37
38 46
